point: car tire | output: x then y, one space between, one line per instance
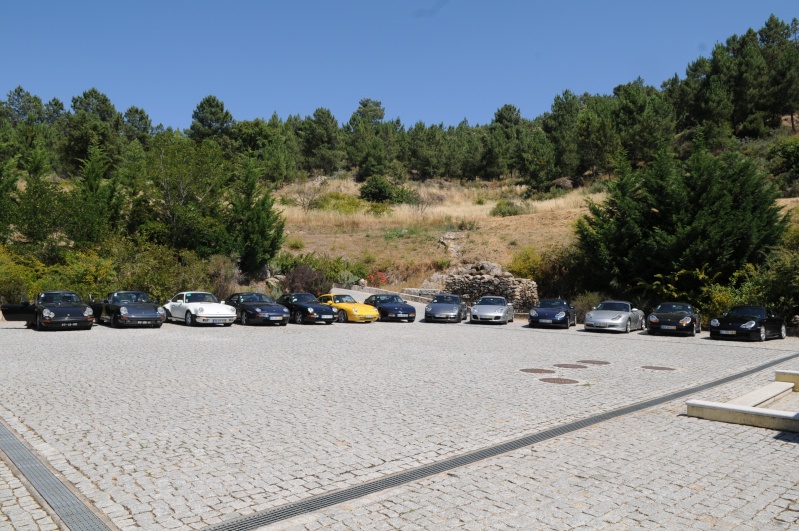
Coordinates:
628 327
168 317
37 325
284 323
297 317
692 333
783 331
762 332
245 320
189 319
342 316
115 321
652 332
511 318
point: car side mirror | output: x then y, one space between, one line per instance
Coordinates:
221 302
23 300
571 306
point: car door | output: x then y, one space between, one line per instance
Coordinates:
773 323
21 311
176 307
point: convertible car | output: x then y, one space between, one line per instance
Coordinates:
198 307
673 317
128 308
392 308
552 312
492 310
258 308
748 322
446 308
614 315
305 308
52 310
348 309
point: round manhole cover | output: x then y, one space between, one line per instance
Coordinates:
594 362
558 380
538 371
655 368
570 366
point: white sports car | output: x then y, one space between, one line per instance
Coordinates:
195 307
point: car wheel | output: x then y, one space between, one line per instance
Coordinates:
342 316
762 332
511 318
627 327
115 321
245 319
189 319
298 317
168 317
37 325
693 331
783 331
652 332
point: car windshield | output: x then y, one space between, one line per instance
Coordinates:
303 297
669 307
490 301
614 306
757 312
343 298
256 297
50 297
388 298
124 297
200 297
561 305
446 299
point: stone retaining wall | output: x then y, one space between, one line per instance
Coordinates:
486 278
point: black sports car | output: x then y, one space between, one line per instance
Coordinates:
128 308
749 322
258 308
673 317
52 310
305 308
552 312
392 308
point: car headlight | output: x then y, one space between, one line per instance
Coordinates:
159 311
285 310
616 318
455 309
310 310
47 314
88 312
560 315
685 320
589 315
748 324
533 313
427 308
258 310
714 322
123 311
231 309
654 319
200 310
355 310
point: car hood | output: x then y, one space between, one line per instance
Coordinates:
317 307
547 312
444 307
64 306
262 305
736 319
212 307
606 314
485 308
670 316
355 306
396 307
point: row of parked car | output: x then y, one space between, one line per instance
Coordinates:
65 310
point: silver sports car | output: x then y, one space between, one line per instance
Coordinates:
614 315
446 308
492 310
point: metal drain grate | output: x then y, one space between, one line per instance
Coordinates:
66 505
570 366
594 362
538 371
322 501
656 368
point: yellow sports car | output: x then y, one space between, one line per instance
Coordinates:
349 309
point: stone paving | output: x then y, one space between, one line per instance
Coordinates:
18 508
181 428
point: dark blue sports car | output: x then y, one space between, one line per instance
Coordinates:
305 308
552 312
258 308
392 308
128 309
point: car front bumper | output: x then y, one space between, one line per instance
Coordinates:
215 319
441 317
616 326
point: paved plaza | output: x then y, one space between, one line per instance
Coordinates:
186 428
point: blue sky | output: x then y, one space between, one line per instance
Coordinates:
435 61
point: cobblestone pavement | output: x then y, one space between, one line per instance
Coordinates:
18 509
181 428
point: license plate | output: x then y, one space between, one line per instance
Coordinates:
669 327
727 332
546 320
402 315
441 316
276 318
142 322
69 324
217 320
327 317
601 325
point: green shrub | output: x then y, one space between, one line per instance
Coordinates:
585 301
525 263
295 244
506 207
339 202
